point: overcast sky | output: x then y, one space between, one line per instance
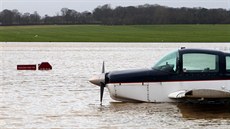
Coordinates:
52 7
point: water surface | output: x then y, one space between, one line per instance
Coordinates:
63 97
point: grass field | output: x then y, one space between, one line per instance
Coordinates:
126 33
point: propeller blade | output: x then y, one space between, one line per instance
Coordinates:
102 84
103 67
101 91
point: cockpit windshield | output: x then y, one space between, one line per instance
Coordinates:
167 63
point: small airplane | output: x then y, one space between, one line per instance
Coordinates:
184 74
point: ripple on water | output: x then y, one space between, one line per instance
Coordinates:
63 97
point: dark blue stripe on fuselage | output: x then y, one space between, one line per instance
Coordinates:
152 75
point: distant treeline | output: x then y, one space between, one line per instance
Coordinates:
131 15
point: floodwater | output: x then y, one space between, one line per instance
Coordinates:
63 97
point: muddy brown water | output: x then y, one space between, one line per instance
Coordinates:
63 97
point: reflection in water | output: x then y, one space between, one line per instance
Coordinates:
204 111
148 115
187 110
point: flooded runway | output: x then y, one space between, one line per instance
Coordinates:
63 97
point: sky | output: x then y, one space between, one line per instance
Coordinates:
53 7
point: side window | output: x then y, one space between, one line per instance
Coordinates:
228 63
200 62
168 63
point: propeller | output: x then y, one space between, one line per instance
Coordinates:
99 80
102 86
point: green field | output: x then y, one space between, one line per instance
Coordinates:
126 33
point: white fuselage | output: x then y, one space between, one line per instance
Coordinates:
159 91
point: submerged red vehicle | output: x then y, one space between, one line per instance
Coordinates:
42 66
27 67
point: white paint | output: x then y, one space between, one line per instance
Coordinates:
162 91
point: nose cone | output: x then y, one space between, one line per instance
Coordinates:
98 79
